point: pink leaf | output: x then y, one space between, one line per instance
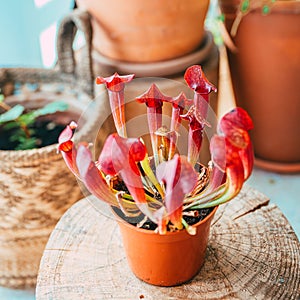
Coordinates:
120 156
237 118
197 81
67 147
179 103
226 157
235 126
116 82
195 136
154 99
115 85
179 178
92 177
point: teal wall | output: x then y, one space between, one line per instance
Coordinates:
21 24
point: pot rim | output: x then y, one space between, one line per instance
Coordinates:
283 6
280 167
163 68
151 232
279 6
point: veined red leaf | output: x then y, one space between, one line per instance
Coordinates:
116 82
235 126
92 177
179 178
237 118
120 156
116 85
226 157
195 136
197 81
154 99
67 147
247 157
179 103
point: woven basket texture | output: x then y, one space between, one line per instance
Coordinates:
36 187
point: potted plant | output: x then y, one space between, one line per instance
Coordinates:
164 202
264 64
23 130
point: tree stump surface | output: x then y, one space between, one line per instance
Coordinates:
253 253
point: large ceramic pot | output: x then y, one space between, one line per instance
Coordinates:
207 55
146 31
265 71
165 260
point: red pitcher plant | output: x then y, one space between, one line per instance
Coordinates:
164 187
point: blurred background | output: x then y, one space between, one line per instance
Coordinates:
28 32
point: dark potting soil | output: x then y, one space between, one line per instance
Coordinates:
192 219
149 225
46 132
202 213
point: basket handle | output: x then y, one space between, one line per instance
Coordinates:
83 71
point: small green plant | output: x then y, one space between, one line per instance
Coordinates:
21 121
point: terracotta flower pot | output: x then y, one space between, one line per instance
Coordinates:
165 260
206 54
265 73
146 31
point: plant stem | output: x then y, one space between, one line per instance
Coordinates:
192 202
25 129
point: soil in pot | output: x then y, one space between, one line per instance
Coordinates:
46 133
199 215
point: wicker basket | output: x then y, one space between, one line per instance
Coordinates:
36 187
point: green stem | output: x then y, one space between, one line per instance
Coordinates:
150 175
196 201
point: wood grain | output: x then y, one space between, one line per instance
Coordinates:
253 253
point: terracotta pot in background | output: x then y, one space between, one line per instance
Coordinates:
165 260
266 73
146 31
207 55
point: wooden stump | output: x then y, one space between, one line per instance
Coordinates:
253 253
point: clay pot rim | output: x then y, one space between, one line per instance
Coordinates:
160 68
284 6
285 168
168 234
280 6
